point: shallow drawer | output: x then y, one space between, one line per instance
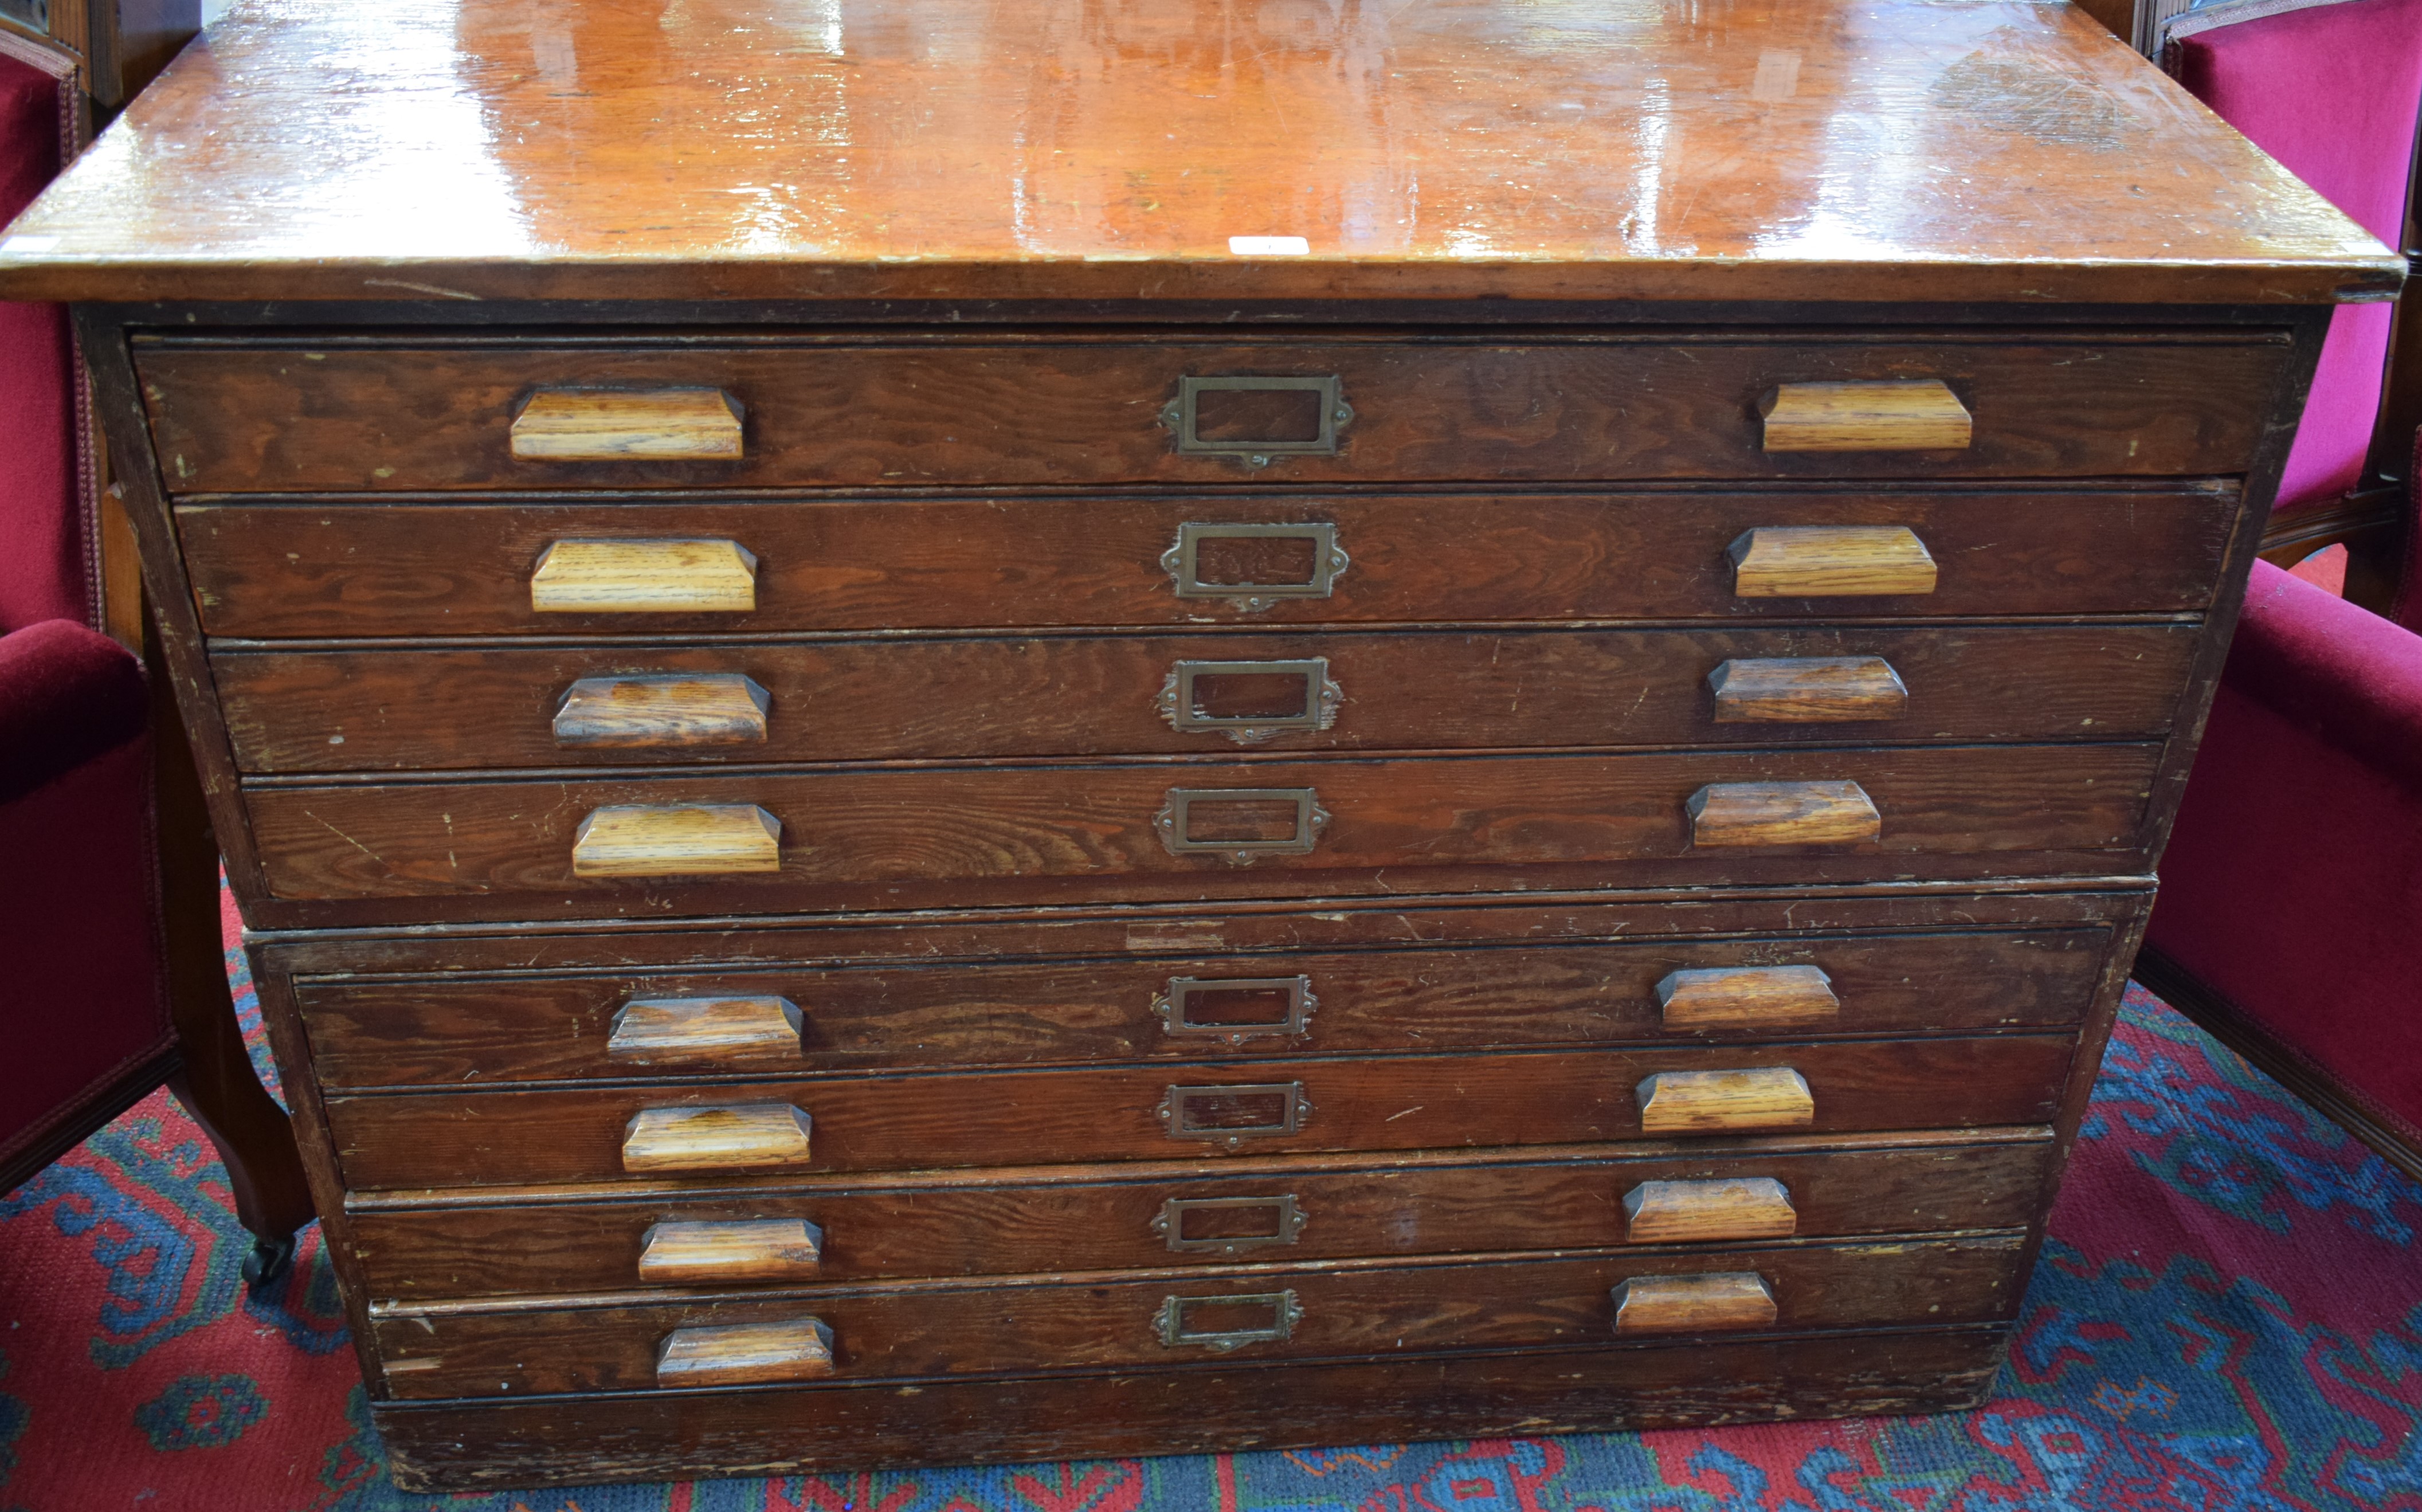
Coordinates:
565 1025
421 569
912 1121
1045 1221
968 836
934 1330
290 711
848 412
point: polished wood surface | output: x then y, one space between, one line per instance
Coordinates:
1784 813
653 713
707 1032
644 577
1713 1102
633 840
602 425
744 1354
1051 149
1806 689
746 1137
1830 562
722 1254
1747 997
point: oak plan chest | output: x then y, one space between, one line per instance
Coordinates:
970 729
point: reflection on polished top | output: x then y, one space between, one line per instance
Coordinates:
1541 148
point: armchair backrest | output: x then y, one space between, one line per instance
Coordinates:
2330 88
49 567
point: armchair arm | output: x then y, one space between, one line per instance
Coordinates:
2342 675
66 695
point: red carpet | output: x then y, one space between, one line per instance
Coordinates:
2230 1316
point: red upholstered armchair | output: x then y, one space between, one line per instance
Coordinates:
2290 915
108 879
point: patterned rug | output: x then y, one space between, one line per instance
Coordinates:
2229 1317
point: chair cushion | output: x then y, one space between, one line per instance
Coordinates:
67 694
2331 90
43 550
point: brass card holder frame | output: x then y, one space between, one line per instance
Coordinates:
1321 697
1174 823
1181 413
1285 1311
1176 1105
1168 1006
1182 561
1171 1223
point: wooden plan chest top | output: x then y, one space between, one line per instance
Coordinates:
965 732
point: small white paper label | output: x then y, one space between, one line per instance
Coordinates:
1268 246
29 244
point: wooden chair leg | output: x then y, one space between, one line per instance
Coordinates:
216 1082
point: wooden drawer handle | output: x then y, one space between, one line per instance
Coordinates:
1806 689
1830 561
745 1354
1746 997
706 1030
1901 414
645 577
751 1137
607 425
1784 813
713 1255
1723 1102
677 839
1687 1304
718 709
1683 1212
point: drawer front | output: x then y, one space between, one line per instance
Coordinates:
1006 833
856 414
1020 1223
422 569
920 1121
930 1330
604 705
563 1026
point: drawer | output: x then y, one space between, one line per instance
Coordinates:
922 1330
842 700
970 836
277 571
369 1032
915 1121
862 412
1046 1221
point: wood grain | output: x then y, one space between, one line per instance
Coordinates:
678 1253
1026 1220
1693 1304
650 714
340 568
634 840
901 1120
1063 411
644 576
1898 415
1689 1212
921 1000
605 425
503 849
729 1136
706 1033
1748 997
1784 813
953 1329
1809 691
1723 1102
745 1354
655 190
476 1446
1830 562
348 711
